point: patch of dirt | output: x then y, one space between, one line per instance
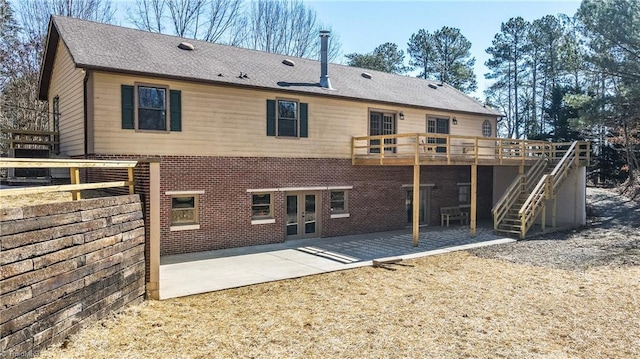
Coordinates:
449 306
565 295
611 238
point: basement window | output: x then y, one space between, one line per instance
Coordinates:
262 208
339 204
184 212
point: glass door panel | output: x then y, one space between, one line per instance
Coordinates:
375 129
310 214
292 215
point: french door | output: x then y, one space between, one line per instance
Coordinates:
423 215
302 211
440 126
382 123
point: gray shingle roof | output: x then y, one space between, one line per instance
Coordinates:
113 48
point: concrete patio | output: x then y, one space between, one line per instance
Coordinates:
194 273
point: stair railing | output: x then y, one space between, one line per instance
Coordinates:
507 200
546 188
564 167
532 206
519 185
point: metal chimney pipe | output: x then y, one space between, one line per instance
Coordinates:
324 59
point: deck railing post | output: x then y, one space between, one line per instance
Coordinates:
475 150
74 173
131 180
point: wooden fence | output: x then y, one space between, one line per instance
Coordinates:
74 167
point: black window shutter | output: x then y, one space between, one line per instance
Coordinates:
304 120
175 104
127 107
271 117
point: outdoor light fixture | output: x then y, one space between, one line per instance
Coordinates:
401 116
455 121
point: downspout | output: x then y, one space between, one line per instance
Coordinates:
86 118
85 111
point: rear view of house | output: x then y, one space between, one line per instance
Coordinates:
257 148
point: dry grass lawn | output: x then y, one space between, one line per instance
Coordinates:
33 199
449 306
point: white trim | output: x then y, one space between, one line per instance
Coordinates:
263 221
297 189
335 188
262 190
183 192
421 185
184 228
340 215
464 183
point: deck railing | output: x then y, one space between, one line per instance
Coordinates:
74 167
431 148
30 139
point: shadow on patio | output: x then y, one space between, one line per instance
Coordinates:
194 273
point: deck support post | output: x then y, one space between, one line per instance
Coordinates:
416 204
553 212
474 202
153 286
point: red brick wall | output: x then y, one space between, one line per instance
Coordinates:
376 202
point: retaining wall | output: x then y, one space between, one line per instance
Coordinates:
63 265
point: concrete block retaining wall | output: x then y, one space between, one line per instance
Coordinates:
63 265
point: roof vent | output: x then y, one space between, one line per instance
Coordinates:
288 62
433 86
440 84
366 75
186 46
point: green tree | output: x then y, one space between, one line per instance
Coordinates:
385 58
453 60
507 64
545 40
422 54
612 28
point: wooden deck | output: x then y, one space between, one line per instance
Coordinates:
437 149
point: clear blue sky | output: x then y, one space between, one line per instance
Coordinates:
363 25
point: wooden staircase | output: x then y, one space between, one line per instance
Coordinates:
524 200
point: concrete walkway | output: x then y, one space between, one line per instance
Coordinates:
188 274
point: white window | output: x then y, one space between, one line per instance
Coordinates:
339 202
261 206
486 128
184 212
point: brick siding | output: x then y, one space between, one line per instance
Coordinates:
376 202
